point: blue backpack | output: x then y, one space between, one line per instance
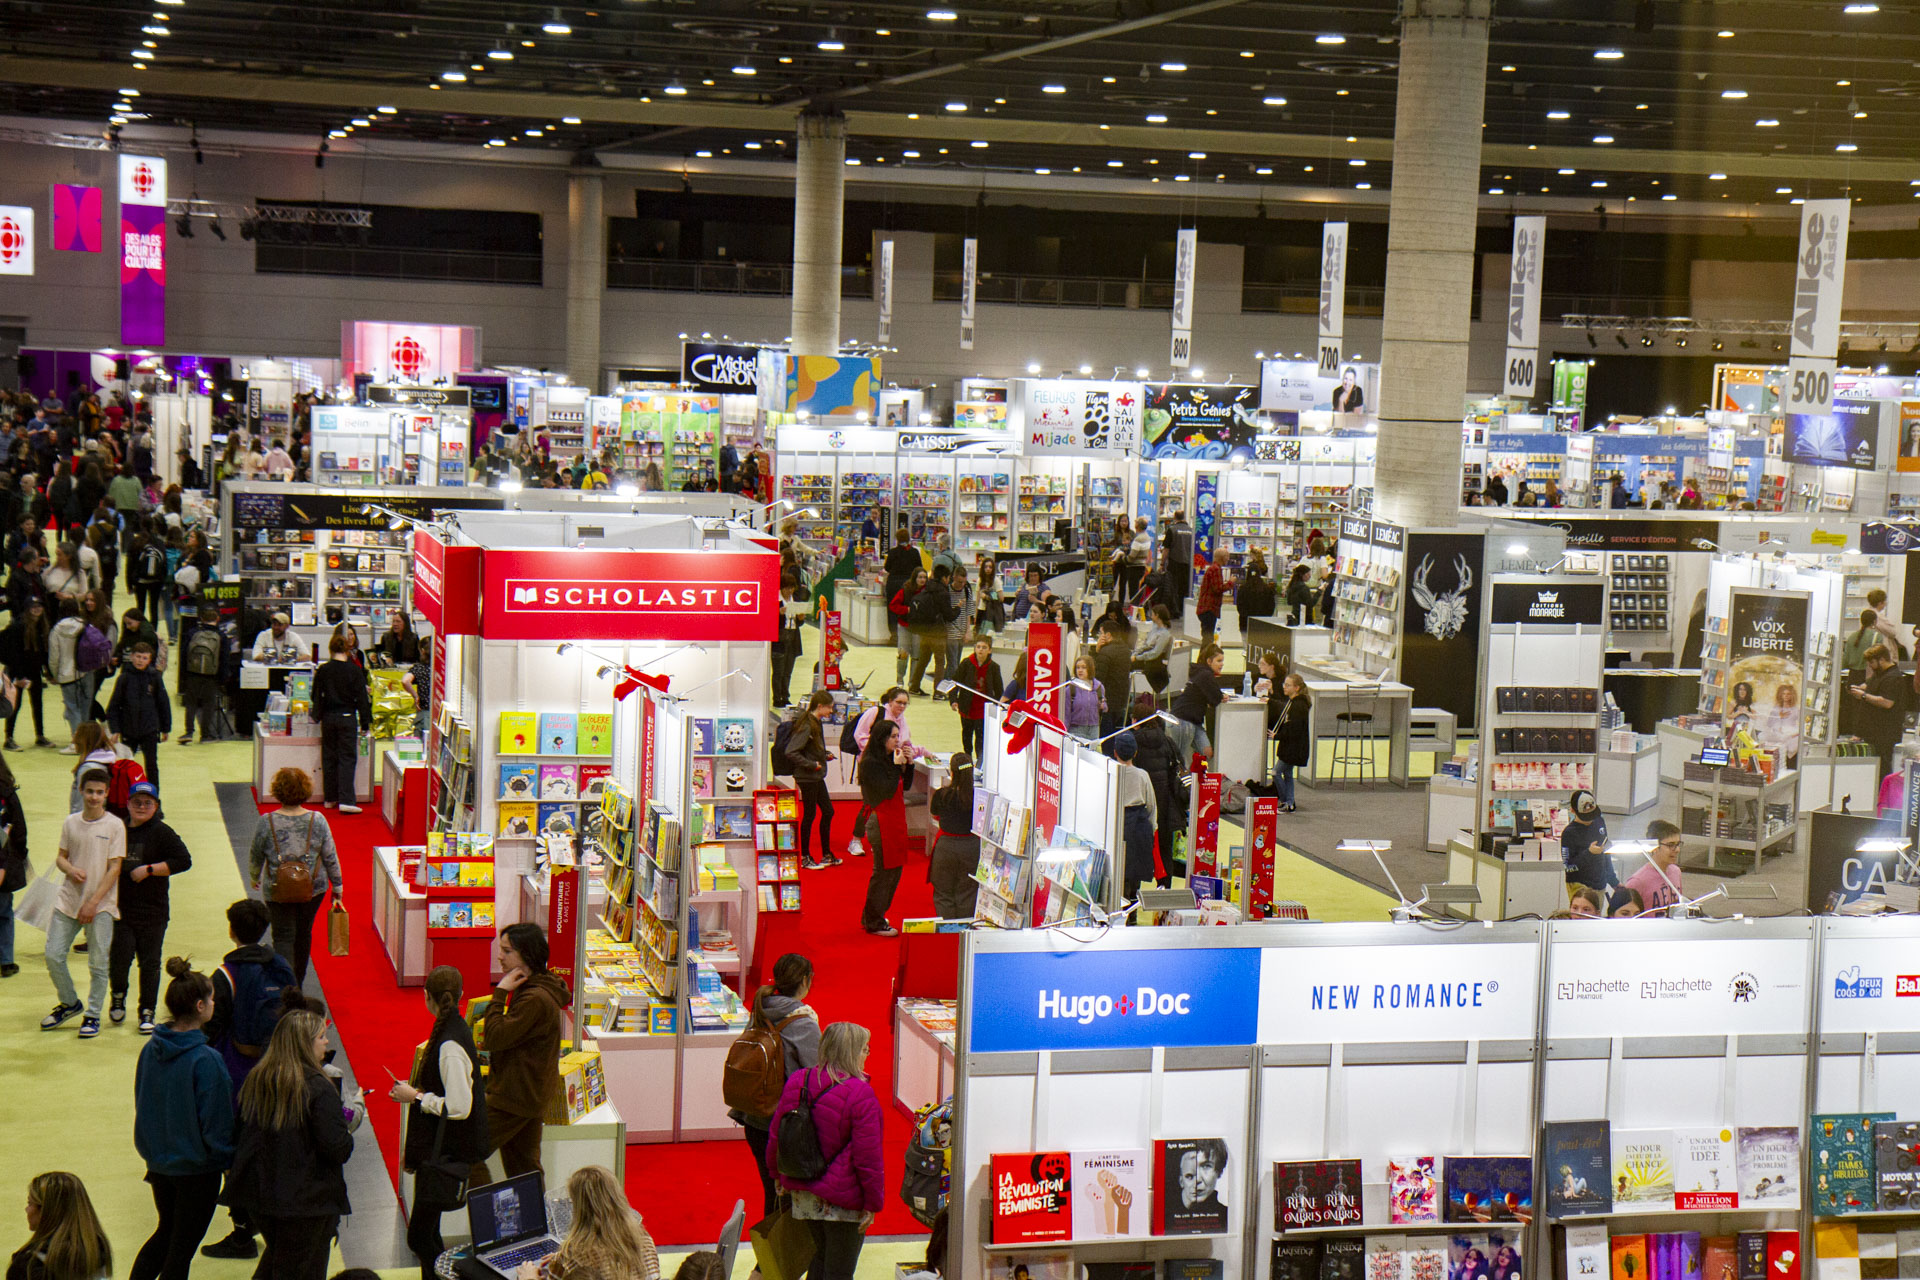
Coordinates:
258 989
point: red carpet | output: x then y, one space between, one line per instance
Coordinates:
683 1190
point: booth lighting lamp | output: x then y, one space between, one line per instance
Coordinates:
1879 844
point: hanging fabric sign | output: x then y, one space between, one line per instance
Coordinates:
1186 245
143 251
1819 276
1043 664
969 264
1333 295
1523 306
886 292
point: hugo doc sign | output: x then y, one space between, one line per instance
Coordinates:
630 595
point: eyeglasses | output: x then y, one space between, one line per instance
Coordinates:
1669 844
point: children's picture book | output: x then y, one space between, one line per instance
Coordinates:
518 733
557 733
732 778
1703 1170
1294 1260
1489 1189
1032 1197
460 915
593 781
1842 1161
595 734
1413 1190
735 736
732 822
1768 1163
700 776
1191 1175
557 782
1642 1169
558 819
1111 1194
438 914
517 818
1896 1153
517 781
1587 1252
1579 1167
702 737
1030 1266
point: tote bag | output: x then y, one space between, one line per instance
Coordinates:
36 904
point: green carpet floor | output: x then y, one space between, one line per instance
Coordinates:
68 1104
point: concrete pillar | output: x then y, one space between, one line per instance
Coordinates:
819 187
586 275
1428 314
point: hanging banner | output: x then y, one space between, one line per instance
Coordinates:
143 251
969 265
1186 246
1262 832
730 368
1071 417
1194 422
1043 664
1206 822
1146 501
76 218
1766 672
563 920
1846 435
1333 296
1297 386
1440 626
832 386
886 291
832 647
1523 306
1820 274
1046 794
1908 449
1205 494
649 732
16 240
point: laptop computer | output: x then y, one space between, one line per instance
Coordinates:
508 1223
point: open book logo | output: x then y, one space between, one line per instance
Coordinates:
525 595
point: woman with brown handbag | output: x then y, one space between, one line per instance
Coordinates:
292 850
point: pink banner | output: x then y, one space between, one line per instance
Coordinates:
143 275
76 218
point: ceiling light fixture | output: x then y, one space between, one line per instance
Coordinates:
1766 124
1053 88
1042 172
1173 66
1114 164
1330 38
956 106
557 25
1608 55
978 145
1724 34
454 77
1846 146
1669 196
1733 94
833 43
1559 115
1716 177
1363 186
1602 138
942 15
576 120
1783 191
676 91
1274 102
387 111
1156 118
1857 9
500 53
746 69
910 155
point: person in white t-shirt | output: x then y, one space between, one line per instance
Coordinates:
93 843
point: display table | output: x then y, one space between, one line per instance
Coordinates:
257 680
1628 781
1648 697
1508 888
403 797
1677 746
1731 818
1826 781
1450 810
400 919
863 613
1392 698
273 752
922 1053
642 1080
598 1137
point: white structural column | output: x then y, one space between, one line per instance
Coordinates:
819 186
586 275
1428 315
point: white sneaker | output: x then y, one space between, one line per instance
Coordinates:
69 750
349 808
857 847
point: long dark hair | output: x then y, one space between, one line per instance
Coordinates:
791 972
880 740
959 785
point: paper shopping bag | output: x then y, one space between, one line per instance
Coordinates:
35 906
782 1245
337 931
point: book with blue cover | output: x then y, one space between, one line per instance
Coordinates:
557 733
702 737
1579 1156
518 781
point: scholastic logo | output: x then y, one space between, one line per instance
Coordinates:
426 577
549 595
1906 984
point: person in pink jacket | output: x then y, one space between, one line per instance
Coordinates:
838 1205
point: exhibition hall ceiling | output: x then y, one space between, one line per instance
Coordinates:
1751 102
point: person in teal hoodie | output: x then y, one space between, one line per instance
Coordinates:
182 1125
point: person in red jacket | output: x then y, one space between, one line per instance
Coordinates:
839 1205
978 674
1213 589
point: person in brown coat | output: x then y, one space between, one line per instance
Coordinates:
521 1033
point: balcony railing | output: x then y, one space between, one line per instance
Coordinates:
672 275
457 265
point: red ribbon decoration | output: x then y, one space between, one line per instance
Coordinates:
1020 737
636 678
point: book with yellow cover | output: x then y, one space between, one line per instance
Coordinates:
519 733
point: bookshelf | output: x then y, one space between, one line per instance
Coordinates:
1040 499
983 521
776 831
926 501
306 571
1639 609
1368 563
1005 872
1101 500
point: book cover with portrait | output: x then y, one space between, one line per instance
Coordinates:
1112 1193
1191 1175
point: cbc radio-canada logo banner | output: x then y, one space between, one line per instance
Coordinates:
408 357
16 240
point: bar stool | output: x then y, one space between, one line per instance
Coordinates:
1353 736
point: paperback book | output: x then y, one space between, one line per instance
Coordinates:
1195 1269
1112 1194
1579 1168
1489 1189
519 733
1032 1197
1386 1258
558 782
557 733
1316 1193
1703 1170
518 781
594 735
1842 1161
1768 1163
1413 1190
1642 1169
1344 1258
1586 1252
1190 1174
1896 1152
1294 1260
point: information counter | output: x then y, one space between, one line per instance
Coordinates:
863 613
273 752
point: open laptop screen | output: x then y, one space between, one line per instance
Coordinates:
504 1212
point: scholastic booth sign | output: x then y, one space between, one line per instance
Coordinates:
633 594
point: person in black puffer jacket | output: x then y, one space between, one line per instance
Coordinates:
1155 755
1193 704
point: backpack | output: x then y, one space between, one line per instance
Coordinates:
923 1184
122 776
203 652
152 567
92 650
756 1070
778 760
849 744
800 1155
257 993
931 606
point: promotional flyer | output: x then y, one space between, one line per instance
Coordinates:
1766 670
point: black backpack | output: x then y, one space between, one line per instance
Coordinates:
800 1155
849 744
258 991
778 760
153 564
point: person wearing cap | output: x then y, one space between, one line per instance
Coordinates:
155 854
280 642
1583 847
